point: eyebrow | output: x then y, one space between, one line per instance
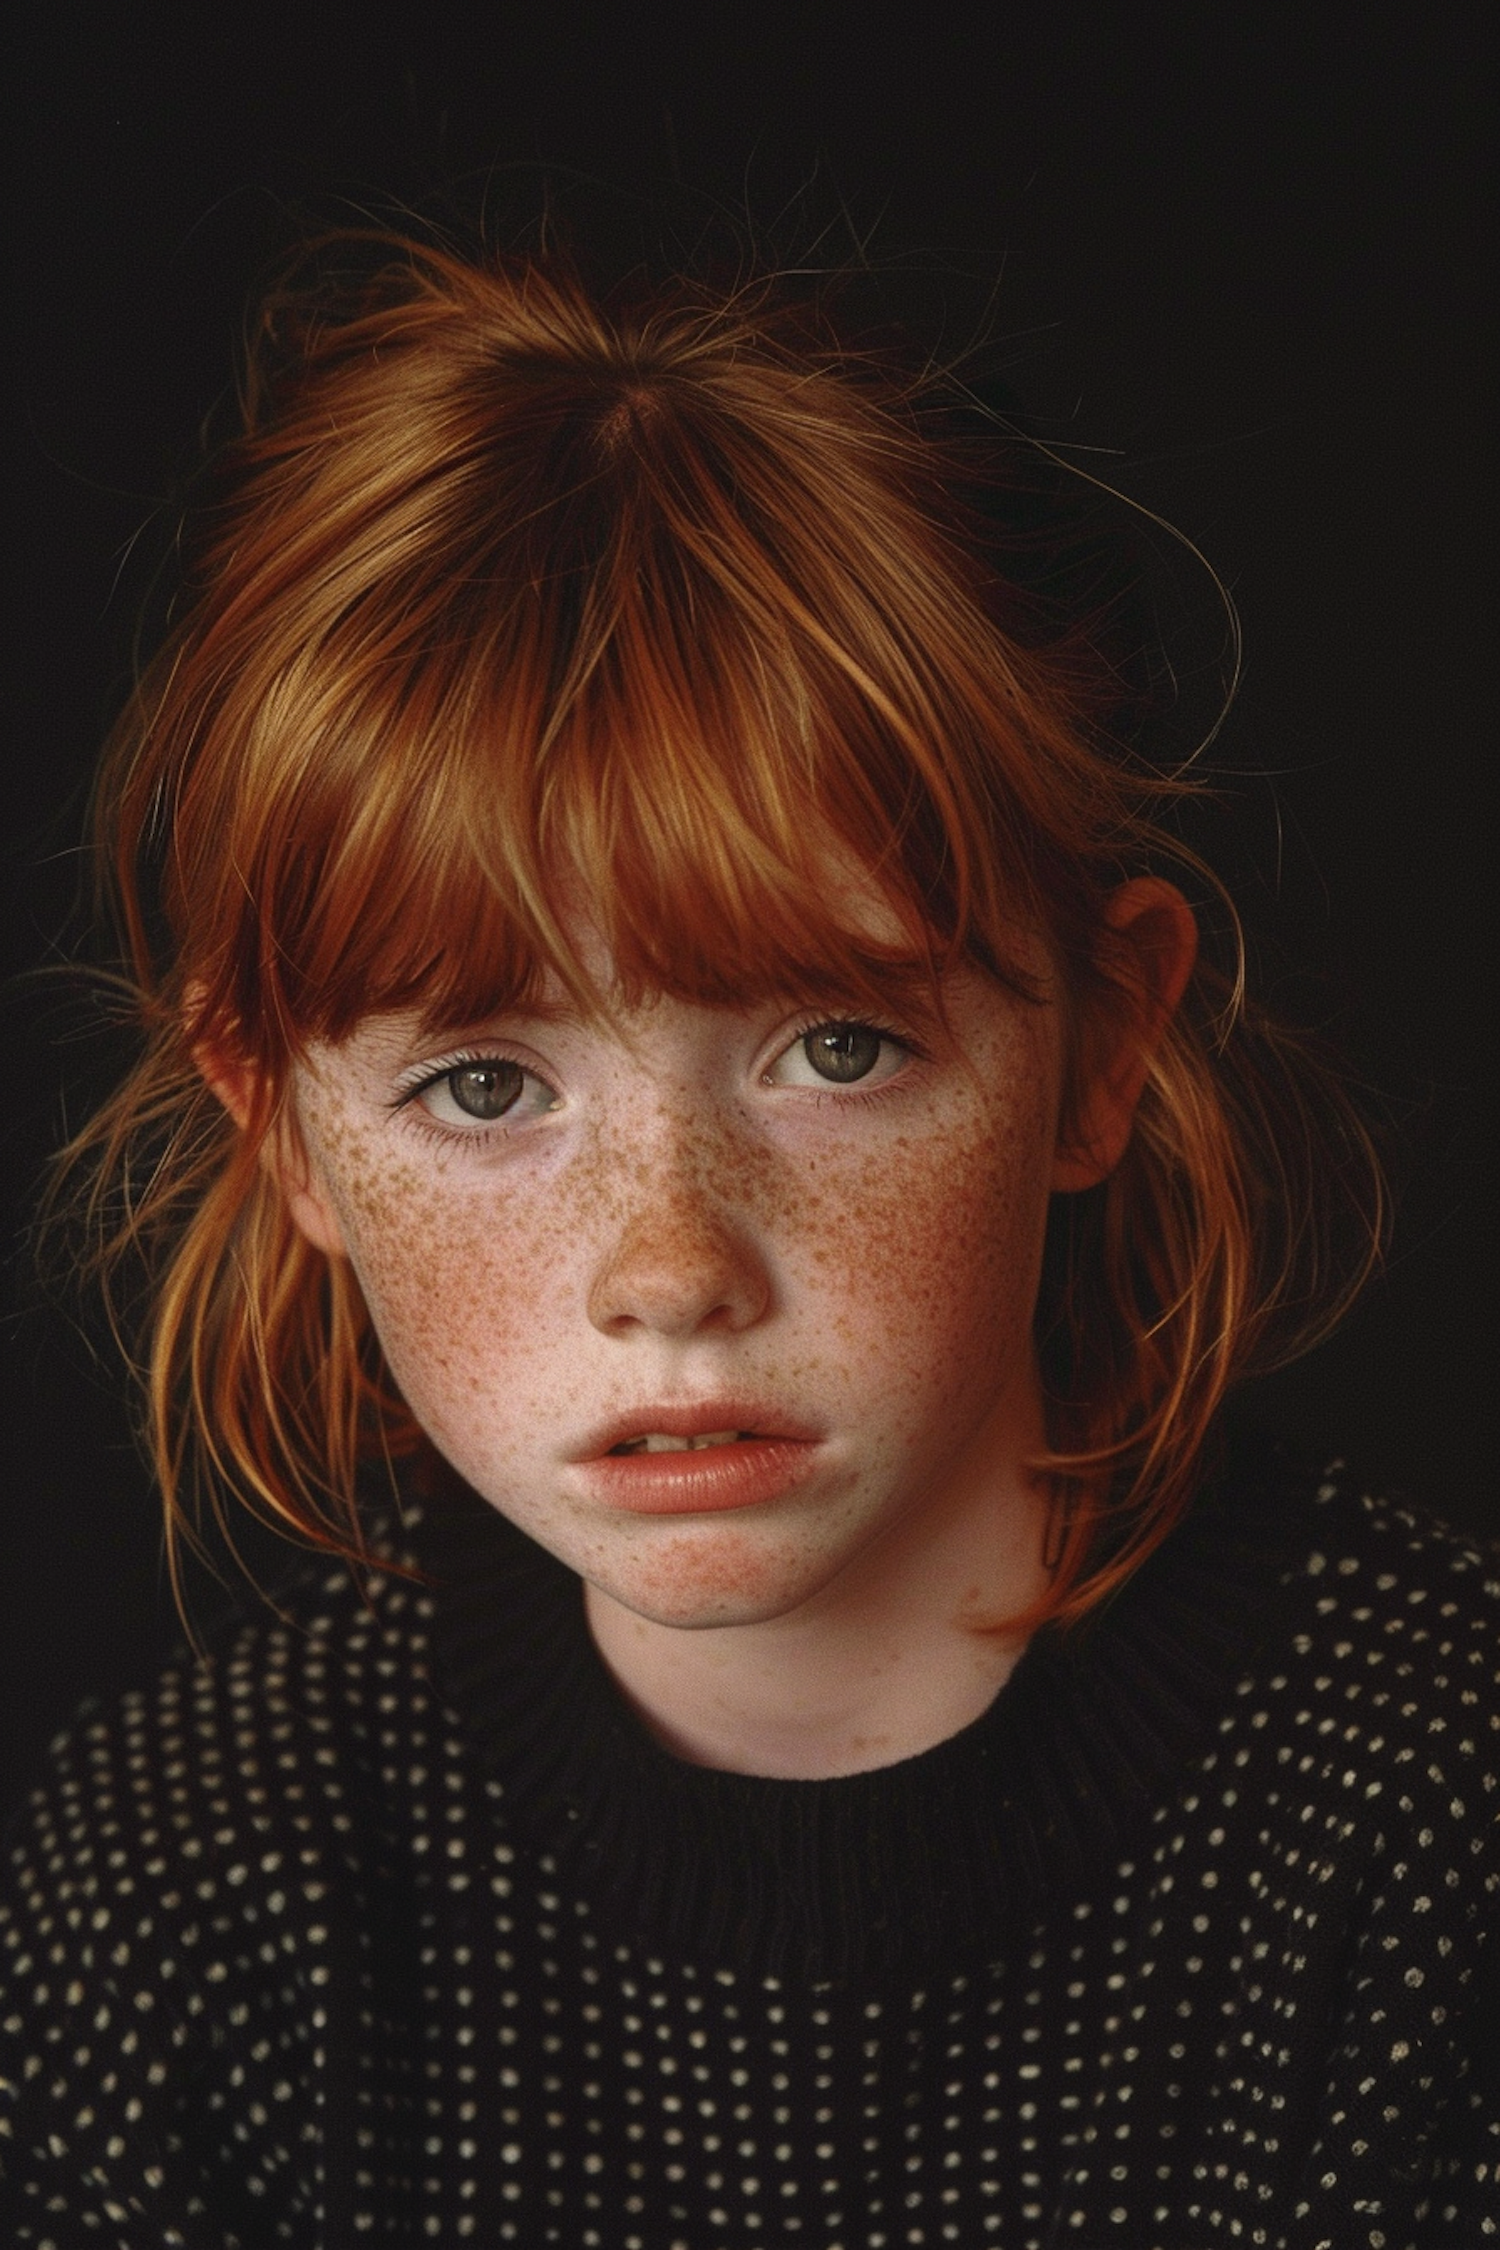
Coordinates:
912 997
542 1011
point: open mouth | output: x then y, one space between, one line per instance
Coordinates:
659 1441
693 1472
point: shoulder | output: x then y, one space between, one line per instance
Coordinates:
1364 1727
208 1853
1350 1806
1386 1612
228 1776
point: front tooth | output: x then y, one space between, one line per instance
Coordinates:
657 1441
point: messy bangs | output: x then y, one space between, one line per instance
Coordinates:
729 883
650 675
717 825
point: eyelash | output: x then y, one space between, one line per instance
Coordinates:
408 1096
854 1090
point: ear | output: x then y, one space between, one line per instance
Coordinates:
1154 940
283 1152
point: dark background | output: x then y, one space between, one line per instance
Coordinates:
1238 261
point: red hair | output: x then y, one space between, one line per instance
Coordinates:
514 593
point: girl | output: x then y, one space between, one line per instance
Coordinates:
680 1134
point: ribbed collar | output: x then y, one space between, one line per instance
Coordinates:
916 1863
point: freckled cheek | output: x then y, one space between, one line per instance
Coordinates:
921 1268
459 1288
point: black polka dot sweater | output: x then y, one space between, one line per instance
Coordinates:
391 1925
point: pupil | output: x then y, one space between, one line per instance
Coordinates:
842 1051
485 1090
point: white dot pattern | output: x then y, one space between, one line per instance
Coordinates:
281 1966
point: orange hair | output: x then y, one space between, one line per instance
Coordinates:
515 592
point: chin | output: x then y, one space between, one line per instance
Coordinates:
692 1583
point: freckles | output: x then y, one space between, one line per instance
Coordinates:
925 1253
899 1221
725 1563
690 1567
423 1264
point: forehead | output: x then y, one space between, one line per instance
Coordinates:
871 958
605 955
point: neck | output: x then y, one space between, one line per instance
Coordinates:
899 1653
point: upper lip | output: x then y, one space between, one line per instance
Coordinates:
698 1419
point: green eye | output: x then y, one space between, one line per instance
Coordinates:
842 1052
484 1090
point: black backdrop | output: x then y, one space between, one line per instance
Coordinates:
1239 257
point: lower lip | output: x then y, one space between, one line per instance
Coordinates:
702 1482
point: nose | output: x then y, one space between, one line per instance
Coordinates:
680 1261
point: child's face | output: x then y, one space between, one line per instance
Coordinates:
697 1220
